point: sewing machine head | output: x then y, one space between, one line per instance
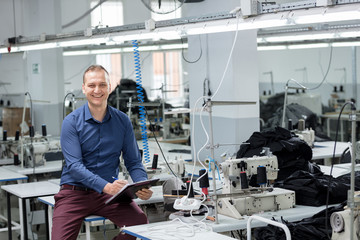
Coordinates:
233 168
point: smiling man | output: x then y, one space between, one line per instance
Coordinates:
92 139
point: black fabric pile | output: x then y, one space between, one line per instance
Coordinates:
346 179
316 227
292 153
271 112
311 189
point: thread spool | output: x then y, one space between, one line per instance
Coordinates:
155 162
261 175
244 180
17 135
204 181
301 125
16 159
141 153
4 135
190 189
43 130
290 125
31 131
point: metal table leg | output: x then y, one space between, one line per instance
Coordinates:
25 219
9 215
47 222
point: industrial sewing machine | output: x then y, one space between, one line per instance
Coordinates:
8 148
32 150
341 221
238 198
308 135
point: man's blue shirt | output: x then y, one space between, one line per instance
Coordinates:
92 149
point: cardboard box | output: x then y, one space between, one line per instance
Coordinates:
12 118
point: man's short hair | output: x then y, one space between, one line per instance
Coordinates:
94 68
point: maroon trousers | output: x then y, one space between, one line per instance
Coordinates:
72 206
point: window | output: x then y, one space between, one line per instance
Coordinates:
109 13
167 69
167 77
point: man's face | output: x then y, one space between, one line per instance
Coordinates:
96 88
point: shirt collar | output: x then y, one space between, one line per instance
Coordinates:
88 115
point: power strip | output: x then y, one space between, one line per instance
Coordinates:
186 203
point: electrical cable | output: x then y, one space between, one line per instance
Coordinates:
179 230
182 51
31 107
331 168
216 166
157 142
230 55
83 15
140 96
73 95
327 70
206 215
197 156
322 72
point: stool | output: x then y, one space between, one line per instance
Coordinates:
92 221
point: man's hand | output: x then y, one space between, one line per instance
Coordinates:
115 187
144 194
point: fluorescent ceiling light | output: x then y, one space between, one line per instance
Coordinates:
345 44
126 49
157 34
269 48
37 46
174 46
314 45
83 42
350 34
337 13
300 37
261 21
29 47
105 51
340 12
76 53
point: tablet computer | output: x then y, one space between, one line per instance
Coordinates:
128 191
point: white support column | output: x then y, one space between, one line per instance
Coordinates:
44 69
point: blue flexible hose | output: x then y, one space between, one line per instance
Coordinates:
140 96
